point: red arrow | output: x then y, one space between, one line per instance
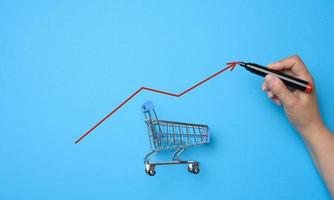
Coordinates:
232 65
229 65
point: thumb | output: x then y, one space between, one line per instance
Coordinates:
277 87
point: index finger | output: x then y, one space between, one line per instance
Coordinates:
293 63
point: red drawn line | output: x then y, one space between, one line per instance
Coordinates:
229 65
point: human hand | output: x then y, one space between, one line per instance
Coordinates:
301 108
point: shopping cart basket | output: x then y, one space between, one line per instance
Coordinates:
169 135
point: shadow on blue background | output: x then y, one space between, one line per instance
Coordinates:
64 65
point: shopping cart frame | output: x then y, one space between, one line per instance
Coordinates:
159 139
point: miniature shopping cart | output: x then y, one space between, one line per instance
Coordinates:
169 135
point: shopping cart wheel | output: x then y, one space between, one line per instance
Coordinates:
150 172
194 168
150 169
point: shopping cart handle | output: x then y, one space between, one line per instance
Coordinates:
147 106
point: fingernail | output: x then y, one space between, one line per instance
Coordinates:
269 77
270 80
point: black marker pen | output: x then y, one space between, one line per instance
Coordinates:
290 81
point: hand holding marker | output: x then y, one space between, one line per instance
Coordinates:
291 82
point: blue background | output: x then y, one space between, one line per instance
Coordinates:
64 65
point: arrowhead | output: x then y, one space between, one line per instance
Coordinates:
232 65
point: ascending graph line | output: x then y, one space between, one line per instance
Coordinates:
230 65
